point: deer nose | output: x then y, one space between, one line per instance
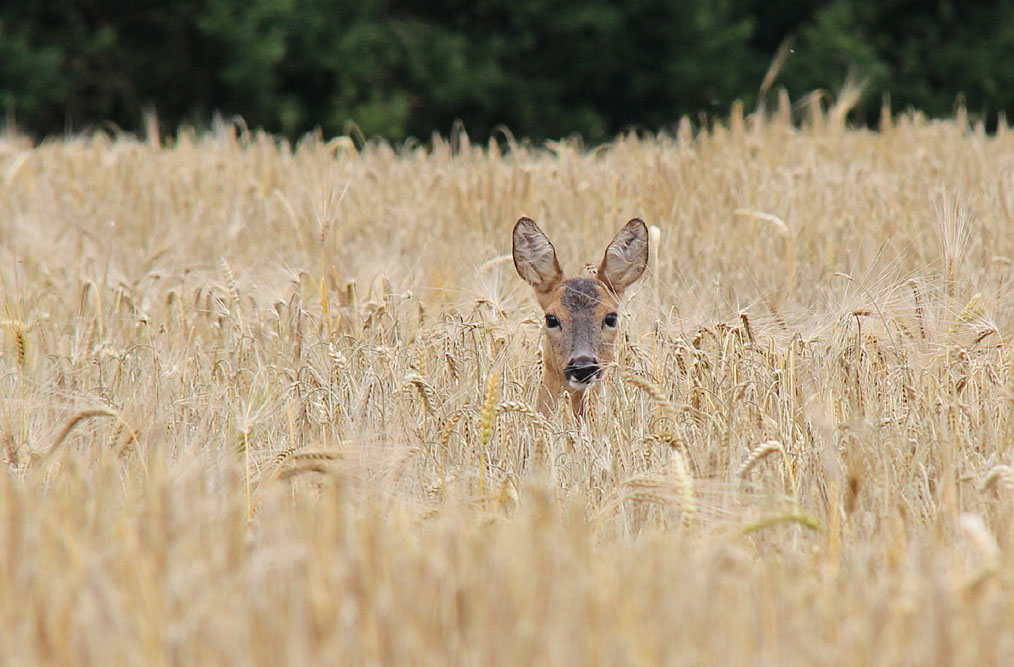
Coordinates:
582 369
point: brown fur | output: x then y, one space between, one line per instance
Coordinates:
583 340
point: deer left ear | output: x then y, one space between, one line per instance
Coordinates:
626 257
535 257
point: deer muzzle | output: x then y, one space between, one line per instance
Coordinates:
581 371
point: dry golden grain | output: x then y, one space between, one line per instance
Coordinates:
306 467
684 484
983 335
920 312
522 408
969 313
230 280
487 415
448 428
282 456
1000 476
507 499
426 392
976 532
674 489
69 426
487 422
657 394
777 223
20 349
453 365
117 432
11 454
746 326
316 455
880 415
338 361
758 453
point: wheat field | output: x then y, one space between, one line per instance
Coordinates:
273 404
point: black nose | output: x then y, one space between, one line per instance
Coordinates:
582 369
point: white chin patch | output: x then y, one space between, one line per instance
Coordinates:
574 384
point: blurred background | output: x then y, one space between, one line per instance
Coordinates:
540 69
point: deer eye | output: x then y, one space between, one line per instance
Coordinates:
552 322
610 320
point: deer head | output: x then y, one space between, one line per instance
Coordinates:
580 313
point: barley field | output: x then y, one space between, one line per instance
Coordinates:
275 404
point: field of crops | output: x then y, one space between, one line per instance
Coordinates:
268 404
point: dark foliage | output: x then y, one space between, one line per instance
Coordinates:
542 69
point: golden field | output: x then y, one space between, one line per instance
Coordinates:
269 404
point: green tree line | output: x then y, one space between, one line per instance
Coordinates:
541 68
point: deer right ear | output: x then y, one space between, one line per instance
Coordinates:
626 257
535 257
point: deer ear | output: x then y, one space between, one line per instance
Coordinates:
535 257
626 257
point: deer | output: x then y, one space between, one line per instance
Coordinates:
580 318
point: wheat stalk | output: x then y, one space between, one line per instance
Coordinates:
308 467
487 422
762 450
684 485
920 312
860 425
426 391
969 313
338 361
11 451
69 426
453 365
19 345
316 455
448 428
17 329
522 408
1000 476
746 326
230 279
777 223
758 453
283 456
675 488
655 392
975 530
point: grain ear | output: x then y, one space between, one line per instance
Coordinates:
626 257
535 257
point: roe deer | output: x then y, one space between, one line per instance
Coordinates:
581 319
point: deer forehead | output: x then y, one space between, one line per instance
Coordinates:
581 296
